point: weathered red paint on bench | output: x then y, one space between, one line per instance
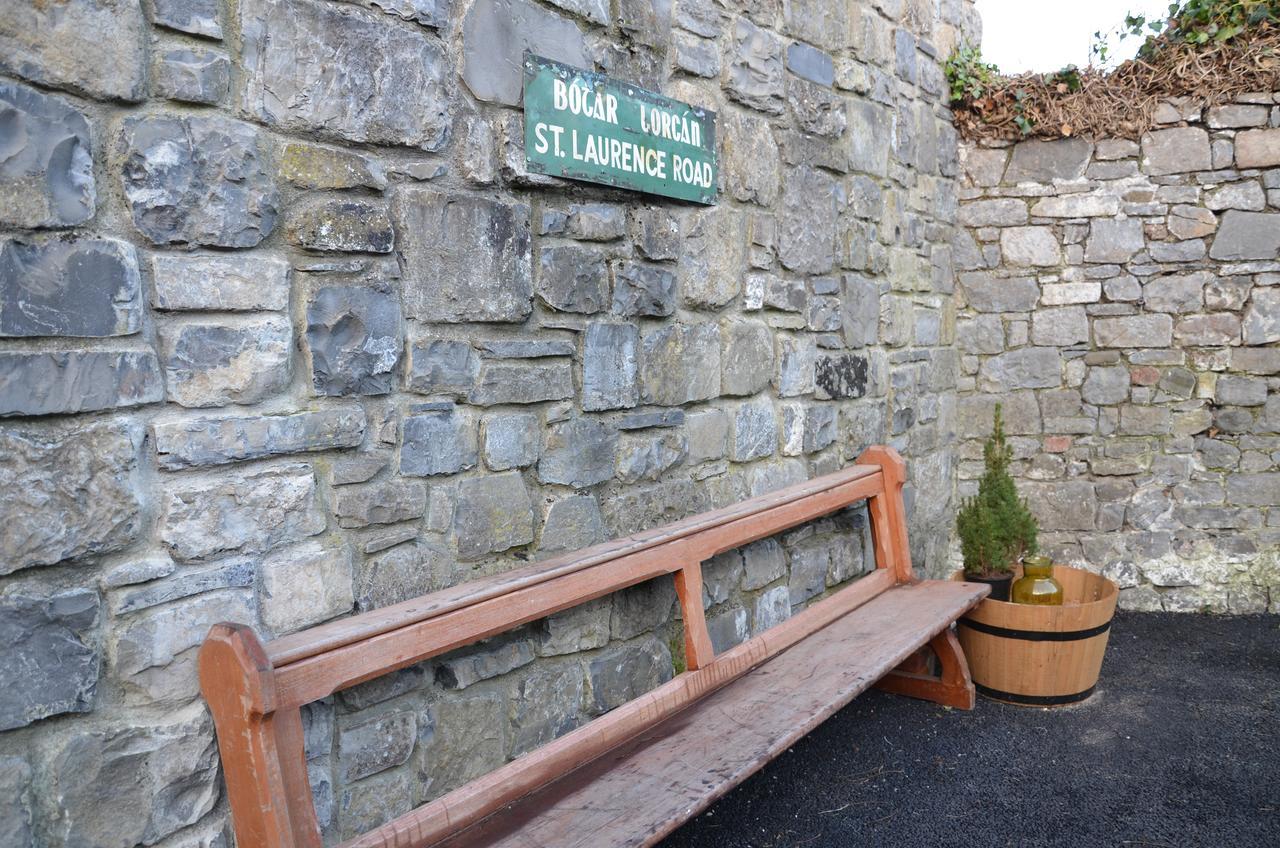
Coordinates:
563 793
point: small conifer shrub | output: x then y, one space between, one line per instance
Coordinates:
996 526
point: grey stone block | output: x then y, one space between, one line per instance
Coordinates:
201 442
1105 386
1176 151
808 572
526 348
62 46
239 513
1025 368
395 87
1030 246
708 432
1262 319
198 17
523 382
811 63
380 503
72 493
624 672
807 225
443 366
754 434
680 363
544 706
77 287
746 357
208 364
728 629
1062 505
610 366
495 36
53 662
573 279
46 178
771 609
1258 149
493 514
376 744
193 76
571 524
305 584
132 785
647 456
1246 236
578 452
453 276
218 283
713 257
438 440
1114 241
75 381
640 289
198 180
989 293
510 440
341 225
354 338
755 73
1046 161
596 222
16 802
1133 331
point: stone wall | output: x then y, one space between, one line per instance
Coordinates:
287 331
1122 300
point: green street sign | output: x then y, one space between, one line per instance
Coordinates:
586 126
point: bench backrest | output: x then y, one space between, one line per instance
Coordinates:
255 691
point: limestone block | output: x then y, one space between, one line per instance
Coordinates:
53 662
304 585
438 439
198 180
239 513
495 36
46 178
219 283
467 258
182 442
213 364
354 338
493 514
71 287
62 46
394 79
75 381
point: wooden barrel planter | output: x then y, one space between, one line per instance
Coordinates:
1041 656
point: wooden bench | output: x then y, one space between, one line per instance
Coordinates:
636 773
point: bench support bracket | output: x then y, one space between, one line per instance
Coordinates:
951 687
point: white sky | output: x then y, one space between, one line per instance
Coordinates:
1046 35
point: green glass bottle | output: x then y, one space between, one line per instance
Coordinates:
1036 585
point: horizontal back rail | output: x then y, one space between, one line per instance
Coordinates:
255 691
327 637
322 674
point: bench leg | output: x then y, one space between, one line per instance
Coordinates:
953 687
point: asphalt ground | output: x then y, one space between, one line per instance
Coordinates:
1179 747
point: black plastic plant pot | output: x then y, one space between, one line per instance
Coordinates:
999 585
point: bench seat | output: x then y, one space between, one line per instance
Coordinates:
638 793
633 774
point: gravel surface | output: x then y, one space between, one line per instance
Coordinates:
1179 747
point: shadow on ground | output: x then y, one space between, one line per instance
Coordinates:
1180 747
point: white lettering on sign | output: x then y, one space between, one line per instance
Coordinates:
664 124
584 101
